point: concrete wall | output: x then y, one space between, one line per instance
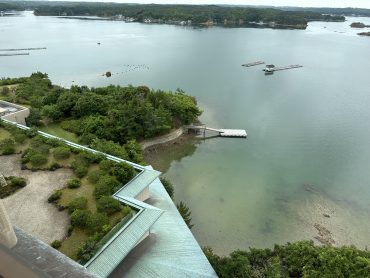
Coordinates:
17 117
143 195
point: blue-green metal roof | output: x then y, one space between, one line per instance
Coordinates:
170 250
138 184
115 250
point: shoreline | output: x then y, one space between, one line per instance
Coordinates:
173 135
161 155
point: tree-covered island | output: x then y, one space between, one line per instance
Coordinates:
194 15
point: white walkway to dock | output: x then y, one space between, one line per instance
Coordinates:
241 133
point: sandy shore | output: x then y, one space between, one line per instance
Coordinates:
331 222
28 208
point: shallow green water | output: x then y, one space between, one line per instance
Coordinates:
305 126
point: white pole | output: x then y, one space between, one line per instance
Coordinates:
7 235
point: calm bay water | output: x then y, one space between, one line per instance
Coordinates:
305 126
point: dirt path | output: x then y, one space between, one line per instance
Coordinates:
162 139
28 208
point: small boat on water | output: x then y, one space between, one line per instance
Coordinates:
269 69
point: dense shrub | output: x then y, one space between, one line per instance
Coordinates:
80 165
94 176
20 137
73 183
106 165
34 119
87 139
55 196
32 132
90 157
7 146
61 152
123 172
56 244
79 218
16 181
87 250
105 186
78 203
38 159
299 259
96 222
53 142
12 185
54 166
81 171
8 150
168 186
108 205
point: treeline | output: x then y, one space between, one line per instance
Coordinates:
113 113
299 259
333 11
194 13
191 14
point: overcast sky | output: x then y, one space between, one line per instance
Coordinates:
297 3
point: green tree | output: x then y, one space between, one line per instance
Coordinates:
185 213
61 152
168 186
108 205
79 218
105 186
79 203
34 119
123 172
96 222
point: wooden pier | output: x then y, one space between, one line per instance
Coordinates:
253 64
239 133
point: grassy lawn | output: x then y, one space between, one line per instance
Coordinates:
85 190
56 130
4 134
71 244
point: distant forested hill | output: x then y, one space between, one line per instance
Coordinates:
178 14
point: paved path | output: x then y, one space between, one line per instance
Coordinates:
162 139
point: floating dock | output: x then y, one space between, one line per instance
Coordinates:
15 54
253 64
240 133
271 68
22 49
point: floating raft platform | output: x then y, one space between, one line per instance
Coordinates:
240 133
15 54
271 68
233 133
253 64
22 49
